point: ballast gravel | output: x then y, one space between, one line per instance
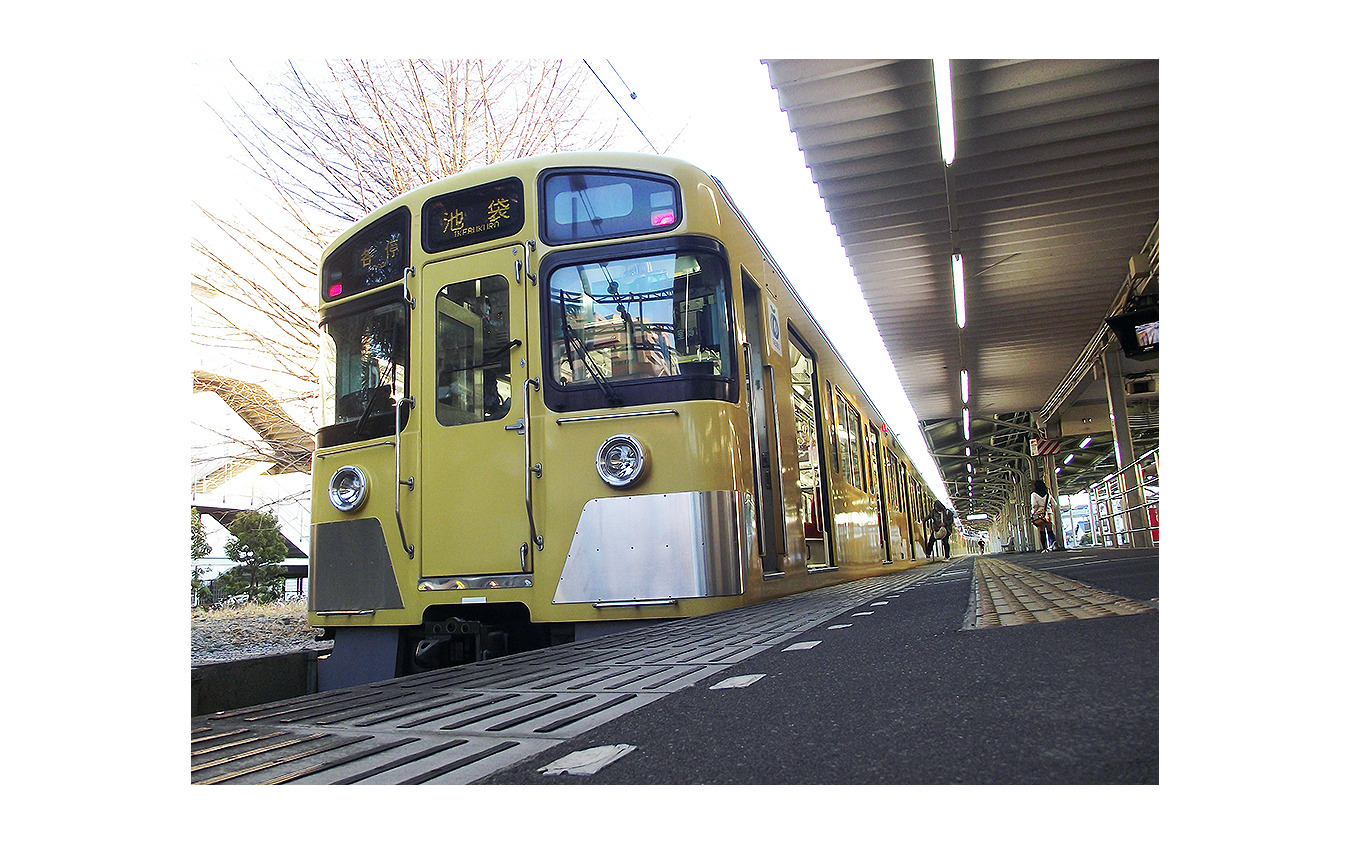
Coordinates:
223 635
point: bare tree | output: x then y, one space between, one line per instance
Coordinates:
348 142
333 143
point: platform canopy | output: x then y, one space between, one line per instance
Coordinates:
1052 191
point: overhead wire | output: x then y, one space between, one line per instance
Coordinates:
633 94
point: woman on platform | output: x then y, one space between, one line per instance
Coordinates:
1040 516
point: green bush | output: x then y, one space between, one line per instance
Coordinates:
258 548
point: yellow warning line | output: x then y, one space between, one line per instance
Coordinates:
1004 594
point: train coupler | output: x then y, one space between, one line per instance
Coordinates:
456 641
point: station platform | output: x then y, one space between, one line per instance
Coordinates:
1000 669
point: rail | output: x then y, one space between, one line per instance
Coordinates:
1116 521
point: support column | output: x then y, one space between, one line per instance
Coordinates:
1052 483
1028 539
1135 518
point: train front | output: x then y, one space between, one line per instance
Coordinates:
533 421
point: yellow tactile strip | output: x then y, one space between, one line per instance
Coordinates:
1003 594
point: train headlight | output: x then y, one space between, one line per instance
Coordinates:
620 460
347 488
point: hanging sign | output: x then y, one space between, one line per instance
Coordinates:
1044 448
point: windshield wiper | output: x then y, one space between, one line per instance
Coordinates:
569 338
375 392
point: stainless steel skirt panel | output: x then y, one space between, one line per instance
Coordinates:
659 547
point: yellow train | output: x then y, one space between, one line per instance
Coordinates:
567 394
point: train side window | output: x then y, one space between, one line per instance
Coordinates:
826 416
849 441
473 341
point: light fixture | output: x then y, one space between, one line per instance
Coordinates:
965 417
942 86
965 387
620 460
347 489
1085 443
1068 460
959 287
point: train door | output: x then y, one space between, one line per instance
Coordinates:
907 508
879 486
763 431
473 485
810 455
895 542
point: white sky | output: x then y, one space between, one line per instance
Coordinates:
729 123
724 117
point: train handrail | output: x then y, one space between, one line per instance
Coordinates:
562 420
399 483
532 471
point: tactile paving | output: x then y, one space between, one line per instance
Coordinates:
459 724
1003 594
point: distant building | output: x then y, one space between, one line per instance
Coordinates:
248 454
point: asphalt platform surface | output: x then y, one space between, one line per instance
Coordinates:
907 691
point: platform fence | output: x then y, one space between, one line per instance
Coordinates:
1124 506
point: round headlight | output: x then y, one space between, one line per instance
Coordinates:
347 488
620 460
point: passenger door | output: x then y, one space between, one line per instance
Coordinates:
473 484
760 390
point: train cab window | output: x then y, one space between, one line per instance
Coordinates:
587 205
364 359
622 327
473 345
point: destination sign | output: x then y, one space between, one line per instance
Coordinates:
376 256
464 217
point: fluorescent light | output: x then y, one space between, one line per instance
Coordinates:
1068 460
959 286
965 416
942 85
1085 443
965 387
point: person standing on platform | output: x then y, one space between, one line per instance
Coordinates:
932 529
938 525
948 528
1040 516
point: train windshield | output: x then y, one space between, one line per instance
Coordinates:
363 366
634 319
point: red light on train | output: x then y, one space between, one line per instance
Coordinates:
334 291
663 218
